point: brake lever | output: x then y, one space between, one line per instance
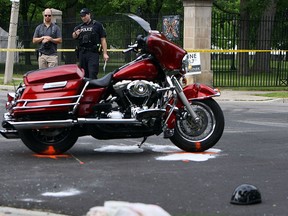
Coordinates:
127 50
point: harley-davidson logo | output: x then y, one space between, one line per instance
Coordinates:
61 84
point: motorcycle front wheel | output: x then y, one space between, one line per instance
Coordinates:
198 137
52 141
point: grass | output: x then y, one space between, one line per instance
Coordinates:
17 78
267 88
275 94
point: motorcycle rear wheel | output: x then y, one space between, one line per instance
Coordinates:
52 141
192 137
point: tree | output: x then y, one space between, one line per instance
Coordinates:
31 11
243 58
150 10
264 35
256 30
5 10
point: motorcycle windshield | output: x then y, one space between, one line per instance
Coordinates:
144 24
167 53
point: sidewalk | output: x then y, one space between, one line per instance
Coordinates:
234 95
6 88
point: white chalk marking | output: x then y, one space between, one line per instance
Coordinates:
69 192
173 152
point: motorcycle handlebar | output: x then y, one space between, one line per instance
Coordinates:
140 43
127 50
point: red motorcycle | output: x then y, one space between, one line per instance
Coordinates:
145 97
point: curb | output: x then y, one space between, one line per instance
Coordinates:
7 87
23 212
250 96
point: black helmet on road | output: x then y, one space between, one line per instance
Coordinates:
246 194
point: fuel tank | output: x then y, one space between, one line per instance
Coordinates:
142 69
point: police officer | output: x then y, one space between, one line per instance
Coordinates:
91 36
48 35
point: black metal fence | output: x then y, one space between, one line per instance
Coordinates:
249 52
245 54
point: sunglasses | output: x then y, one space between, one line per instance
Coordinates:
47 15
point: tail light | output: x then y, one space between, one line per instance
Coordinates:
10 96
10 99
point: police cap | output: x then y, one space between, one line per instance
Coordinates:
84 11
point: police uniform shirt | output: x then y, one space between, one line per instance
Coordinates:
91 33
53 31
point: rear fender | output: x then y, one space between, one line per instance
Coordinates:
193 92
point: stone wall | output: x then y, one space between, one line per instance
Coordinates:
197 35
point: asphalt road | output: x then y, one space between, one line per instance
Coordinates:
253 150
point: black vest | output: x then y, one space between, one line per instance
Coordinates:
91 34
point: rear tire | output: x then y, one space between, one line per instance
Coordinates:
192 137
50 141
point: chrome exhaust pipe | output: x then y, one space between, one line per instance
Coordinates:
107 121
42 124
9 134
67 123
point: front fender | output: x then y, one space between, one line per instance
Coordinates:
199 91
193 92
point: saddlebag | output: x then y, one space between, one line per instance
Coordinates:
49 90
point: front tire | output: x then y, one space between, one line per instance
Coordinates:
50 141
192 137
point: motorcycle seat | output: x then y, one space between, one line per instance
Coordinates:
101 82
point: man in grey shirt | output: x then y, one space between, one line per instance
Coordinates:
47 35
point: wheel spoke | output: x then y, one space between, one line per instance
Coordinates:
43 140
197 137
197 131
50 136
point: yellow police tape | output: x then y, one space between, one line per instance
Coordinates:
120 50
233 51
60 50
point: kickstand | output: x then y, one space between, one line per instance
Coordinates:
139 145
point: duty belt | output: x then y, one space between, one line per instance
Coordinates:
87 49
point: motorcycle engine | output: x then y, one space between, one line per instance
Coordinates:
138 92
